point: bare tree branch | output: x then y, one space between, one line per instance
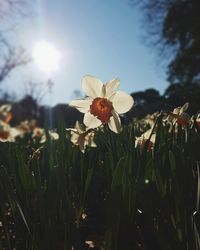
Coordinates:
11 58
9 8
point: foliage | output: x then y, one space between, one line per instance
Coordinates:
118 195
174 27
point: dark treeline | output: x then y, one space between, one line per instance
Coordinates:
150 100
172 26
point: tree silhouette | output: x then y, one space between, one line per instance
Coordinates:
174 26
11 56
146 102
9 8
178 94
25 109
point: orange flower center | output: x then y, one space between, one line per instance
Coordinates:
149 144
8 117
181 121
38 132
102 109
4 135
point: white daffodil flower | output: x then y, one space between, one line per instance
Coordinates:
103 103
38 132
198 119
140 141
151 119
52 134
5 114
82 137
4 131
7 134
181 117
26 127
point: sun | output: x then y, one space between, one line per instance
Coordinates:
46 57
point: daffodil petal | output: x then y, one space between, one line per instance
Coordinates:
176 111
5 108
78 127
71 130
91 121
122 102
91 142
14 132
184 107
82 105
115 123
74 138
111 87
92 86
54 135
82 147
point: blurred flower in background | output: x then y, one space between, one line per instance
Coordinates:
82 137
5 113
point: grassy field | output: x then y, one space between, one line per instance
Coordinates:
84 189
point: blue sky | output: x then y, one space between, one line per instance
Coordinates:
103 38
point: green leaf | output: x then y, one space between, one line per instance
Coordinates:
118 173
172 161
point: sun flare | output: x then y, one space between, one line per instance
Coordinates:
46 57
